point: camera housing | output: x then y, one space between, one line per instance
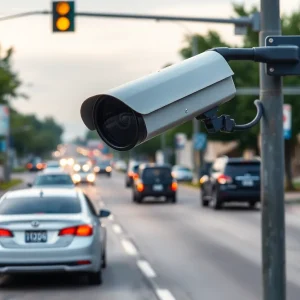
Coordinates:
135 112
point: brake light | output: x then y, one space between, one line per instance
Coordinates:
223 179
84 230
135 176
5 233
174 186
140 187
29 165
81 230
39 166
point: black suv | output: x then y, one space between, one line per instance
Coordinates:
231 180
154 181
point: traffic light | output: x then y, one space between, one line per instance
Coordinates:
63 14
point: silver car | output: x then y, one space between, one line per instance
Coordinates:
181 173
53 179
51 230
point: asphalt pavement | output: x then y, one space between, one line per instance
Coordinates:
170 251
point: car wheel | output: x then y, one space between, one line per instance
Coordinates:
204 201
95 278
104 261
172 199
138 199
108 174
216 202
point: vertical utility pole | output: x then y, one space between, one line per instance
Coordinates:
196 124
272 168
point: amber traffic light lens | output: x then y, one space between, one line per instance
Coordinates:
63 8
63 23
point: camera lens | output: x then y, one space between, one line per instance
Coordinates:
116 123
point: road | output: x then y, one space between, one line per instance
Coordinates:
170 251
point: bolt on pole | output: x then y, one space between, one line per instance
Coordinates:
272 166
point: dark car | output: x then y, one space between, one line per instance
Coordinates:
131 174
231 180
35 164
103 167
154 181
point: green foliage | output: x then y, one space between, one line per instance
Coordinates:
9 80
8 185
31 135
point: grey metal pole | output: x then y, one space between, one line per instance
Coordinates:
196 124
272 167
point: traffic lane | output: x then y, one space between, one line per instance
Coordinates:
121 280
191 248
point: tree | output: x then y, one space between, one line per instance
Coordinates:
9 80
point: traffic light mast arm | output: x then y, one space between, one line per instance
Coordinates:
25 14
253 21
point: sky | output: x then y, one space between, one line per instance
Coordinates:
61 70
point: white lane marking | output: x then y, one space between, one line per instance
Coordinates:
146 268
117 229
164 294
111 218
129 248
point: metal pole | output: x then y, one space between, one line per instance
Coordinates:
272 167
196 124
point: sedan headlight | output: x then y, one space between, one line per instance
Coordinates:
85 167
76 168
76 178
96 169
108 169
63 162
70 161
91 177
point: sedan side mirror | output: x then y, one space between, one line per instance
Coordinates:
29 184
104 213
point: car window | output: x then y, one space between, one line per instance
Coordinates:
161 173
135 169
53 179
90 205
252 168
40 205
183 169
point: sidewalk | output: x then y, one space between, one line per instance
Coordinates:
292 196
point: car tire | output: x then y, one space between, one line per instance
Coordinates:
172 199
104 260
252 204
138 199
204 202
108 174
95 278
216 201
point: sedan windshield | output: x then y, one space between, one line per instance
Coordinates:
53 179
39 205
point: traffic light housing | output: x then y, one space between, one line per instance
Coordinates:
63 16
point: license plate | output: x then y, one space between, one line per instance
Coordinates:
158 187
247 182
35 236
